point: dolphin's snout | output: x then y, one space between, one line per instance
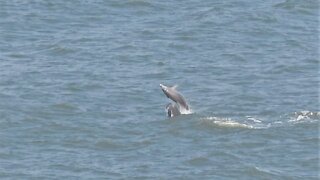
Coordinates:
162 86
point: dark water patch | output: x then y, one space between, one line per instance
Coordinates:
108 144
198 161
132 4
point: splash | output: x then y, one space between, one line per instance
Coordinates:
185 111
305 116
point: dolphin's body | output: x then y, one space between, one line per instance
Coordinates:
175 96
172 110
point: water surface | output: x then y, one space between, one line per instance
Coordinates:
80 95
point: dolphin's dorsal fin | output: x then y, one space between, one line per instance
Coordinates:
174 87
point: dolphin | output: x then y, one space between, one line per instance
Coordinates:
173 110
175 96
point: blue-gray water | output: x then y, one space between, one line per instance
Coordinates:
80 95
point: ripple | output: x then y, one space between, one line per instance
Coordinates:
198 161
108 144
132 4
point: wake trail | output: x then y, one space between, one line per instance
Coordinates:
262 123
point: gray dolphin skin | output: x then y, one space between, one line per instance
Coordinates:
175 96
173 110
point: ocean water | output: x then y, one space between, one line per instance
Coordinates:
80 95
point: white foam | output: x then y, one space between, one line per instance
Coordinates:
253 119
232 124
254 123
225 122
184 111
305 116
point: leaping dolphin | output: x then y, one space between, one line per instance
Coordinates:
175 96
173 110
